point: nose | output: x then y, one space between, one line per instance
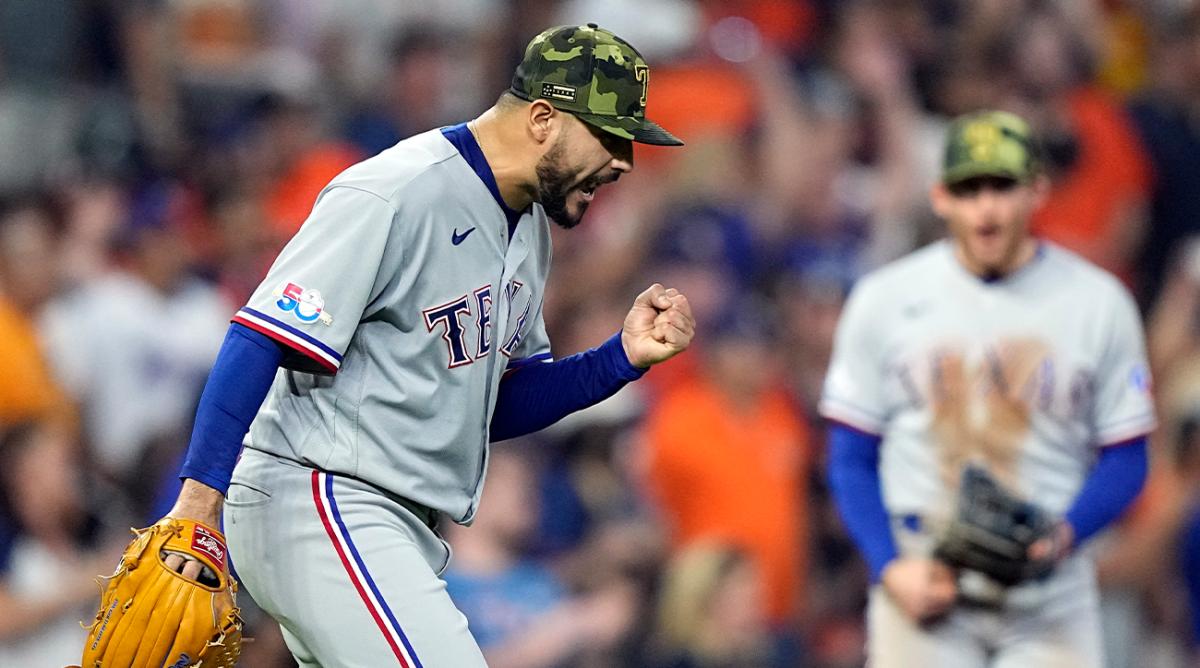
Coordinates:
987 200
621 150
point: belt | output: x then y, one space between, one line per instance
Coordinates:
427 515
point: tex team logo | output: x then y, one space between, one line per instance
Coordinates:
306 304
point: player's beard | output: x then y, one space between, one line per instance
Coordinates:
555 183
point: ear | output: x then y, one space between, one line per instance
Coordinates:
544 121
940 198
1041 190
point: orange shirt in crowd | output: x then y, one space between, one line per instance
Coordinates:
1110 179
735 475
27 389
291 198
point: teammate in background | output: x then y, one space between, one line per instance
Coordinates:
397 333
996 349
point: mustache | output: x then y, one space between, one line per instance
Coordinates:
595 181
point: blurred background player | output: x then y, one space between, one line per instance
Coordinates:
995 349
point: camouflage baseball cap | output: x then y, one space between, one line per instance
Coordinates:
593 74
989 143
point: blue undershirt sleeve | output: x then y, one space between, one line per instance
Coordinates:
853 476
1108 490
536 396
237 385
1189 560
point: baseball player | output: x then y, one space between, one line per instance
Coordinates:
990 351
396 334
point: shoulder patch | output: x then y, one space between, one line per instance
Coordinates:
306 304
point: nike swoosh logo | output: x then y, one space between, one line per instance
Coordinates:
457 238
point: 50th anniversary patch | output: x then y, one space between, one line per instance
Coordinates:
306 304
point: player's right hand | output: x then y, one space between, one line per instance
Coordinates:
924 589
659 325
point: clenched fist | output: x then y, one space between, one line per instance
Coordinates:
659 326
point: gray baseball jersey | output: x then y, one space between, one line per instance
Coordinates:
1028 375
403 300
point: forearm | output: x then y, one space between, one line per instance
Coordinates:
1112 485
854 483
538 395
240 380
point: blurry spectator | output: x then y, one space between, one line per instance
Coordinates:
299 160
39 45
29 276
242 244
1174 346
710 612
1138 565
809 305
521 614
841 181
1099 171
727 457
1188 455
51 547
1167 116
1172 335
1124 53
668 29
890 188
224 60
83 84
95 211
134 347
415 93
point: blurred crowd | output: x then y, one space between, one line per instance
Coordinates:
156 154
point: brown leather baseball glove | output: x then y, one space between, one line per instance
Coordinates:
154 617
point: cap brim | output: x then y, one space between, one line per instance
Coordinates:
641 130
971 171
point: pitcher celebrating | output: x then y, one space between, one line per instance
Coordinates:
397 333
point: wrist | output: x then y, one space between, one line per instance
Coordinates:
1064 537
624 359
197 501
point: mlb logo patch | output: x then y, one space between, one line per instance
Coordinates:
307 305
1139 377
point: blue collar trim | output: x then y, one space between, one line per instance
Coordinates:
460 135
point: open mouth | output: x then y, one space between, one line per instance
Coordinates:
588 188
988 231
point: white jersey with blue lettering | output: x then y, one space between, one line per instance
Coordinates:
403 301
1027 375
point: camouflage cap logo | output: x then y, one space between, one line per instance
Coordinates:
558 92
989 143
590 72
